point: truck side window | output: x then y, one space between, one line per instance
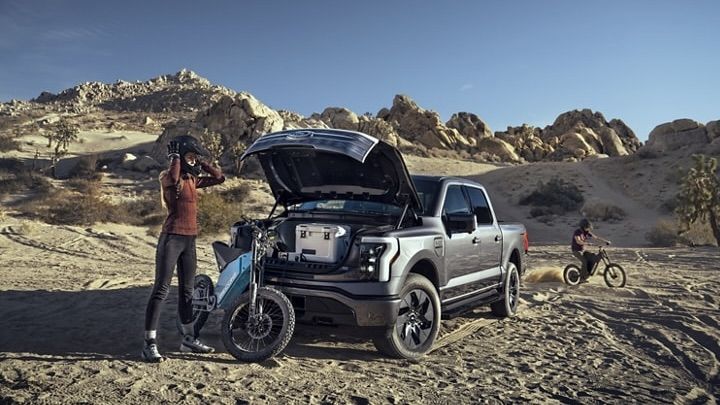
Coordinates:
480 206
455 202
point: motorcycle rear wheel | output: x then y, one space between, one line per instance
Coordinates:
572 275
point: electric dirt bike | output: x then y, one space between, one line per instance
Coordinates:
258 321
613 274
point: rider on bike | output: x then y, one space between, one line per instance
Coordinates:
581 237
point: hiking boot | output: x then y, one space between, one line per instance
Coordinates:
151 354
192 345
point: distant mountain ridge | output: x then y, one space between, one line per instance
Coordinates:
185 102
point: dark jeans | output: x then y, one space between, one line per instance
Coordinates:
171 250
588 260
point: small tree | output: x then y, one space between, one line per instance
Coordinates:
61 135
213 143
699 197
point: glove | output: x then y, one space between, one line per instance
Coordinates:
173 150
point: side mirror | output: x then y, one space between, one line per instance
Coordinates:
461 222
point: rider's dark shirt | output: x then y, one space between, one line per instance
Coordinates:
584 235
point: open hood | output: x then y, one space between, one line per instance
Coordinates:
317 164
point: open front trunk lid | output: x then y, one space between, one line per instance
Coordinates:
317 164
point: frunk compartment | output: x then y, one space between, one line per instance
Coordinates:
324 243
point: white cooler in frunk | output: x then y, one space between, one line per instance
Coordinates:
321 242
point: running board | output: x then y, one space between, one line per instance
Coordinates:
457 308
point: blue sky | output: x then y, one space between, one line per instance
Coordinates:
510 62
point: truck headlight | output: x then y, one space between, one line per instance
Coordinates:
370 259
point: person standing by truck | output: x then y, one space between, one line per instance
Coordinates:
176 245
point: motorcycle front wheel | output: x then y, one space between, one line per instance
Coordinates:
615 276
264 335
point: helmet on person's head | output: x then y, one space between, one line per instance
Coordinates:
188 144
585 224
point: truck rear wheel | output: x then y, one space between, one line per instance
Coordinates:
507 306
417 324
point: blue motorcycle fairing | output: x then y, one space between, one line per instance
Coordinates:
233 280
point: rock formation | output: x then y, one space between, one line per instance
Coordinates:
683 134
575 135
185 103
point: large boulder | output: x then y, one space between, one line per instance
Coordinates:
630 142
470 126
613 138
677 134
499 148
611 142
575 145
340 118
713 130
416 124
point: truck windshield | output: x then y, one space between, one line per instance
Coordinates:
427 191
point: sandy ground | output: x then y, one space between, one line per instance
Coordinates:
72 301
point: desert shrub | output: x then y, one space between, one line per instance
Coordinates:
699 233
25 181
7 144
237 194
536 212
216 214
647 153
670 204
562 196
144 211
69 208
699 196
603 212
11 165
84 186
664 234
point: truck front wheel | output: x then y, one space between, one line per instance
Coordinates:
417 324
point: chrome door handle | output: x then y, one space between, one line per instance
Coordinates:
497 238
475 240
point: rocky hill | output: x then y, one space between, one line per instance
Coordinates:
187 103
575 135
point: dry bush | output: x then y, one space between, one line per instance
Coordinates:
664 234
237 194
144 211
557 194
73 208
698 234
15 178
216 214
7 144
603 212
647 153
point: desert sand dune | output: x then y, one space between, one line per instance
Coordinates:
73 302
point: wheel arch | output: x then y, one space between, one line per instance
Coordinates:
426 268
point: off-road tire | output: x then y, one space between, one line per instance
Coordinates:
508 305
419 300
283 309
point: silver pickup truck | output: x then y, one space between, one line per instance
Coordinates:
359 241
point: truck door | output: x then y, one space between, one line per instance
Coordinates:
461 253
488 236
